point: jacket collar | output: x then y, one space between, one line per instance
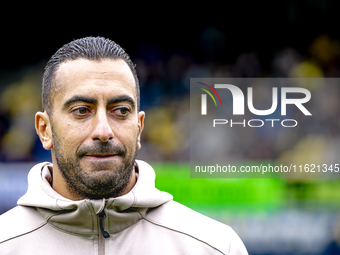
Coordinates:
82 217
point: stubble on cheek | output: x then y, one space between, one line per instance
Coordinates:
86 179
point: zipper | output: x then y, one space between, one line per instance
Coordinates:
104 234
102 217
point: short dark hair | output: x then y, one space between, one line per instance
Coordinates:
91 48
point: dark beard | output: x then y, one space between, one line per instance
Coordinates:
106 181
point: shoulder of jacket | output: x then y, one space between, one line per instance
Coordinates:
179 218
19 221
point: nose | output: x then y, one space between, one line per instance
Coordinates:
102 129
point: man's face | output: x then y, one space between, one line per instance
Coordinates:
95 126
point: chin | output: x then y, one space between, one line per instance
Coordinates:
101 166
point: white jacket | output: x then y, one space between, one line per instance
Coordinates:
144 221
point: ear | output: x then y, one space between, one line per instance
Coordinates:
141 116
43 128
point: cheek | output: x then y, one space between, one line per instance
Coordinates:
128 136
69 136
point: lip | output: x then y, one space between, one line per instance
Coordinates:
101 157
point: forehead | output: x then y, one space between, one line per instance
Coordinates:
95 78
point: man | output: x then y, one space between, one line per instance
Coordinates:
96 198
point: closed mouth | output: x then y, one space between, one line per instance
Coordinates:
101 156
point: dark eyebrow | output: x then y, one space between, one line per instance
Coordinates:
123 98
76 98
91 100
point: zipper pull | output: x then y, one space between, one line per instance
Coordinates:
102 216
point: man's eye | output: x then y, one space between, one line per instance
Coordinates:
81 111
122 111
